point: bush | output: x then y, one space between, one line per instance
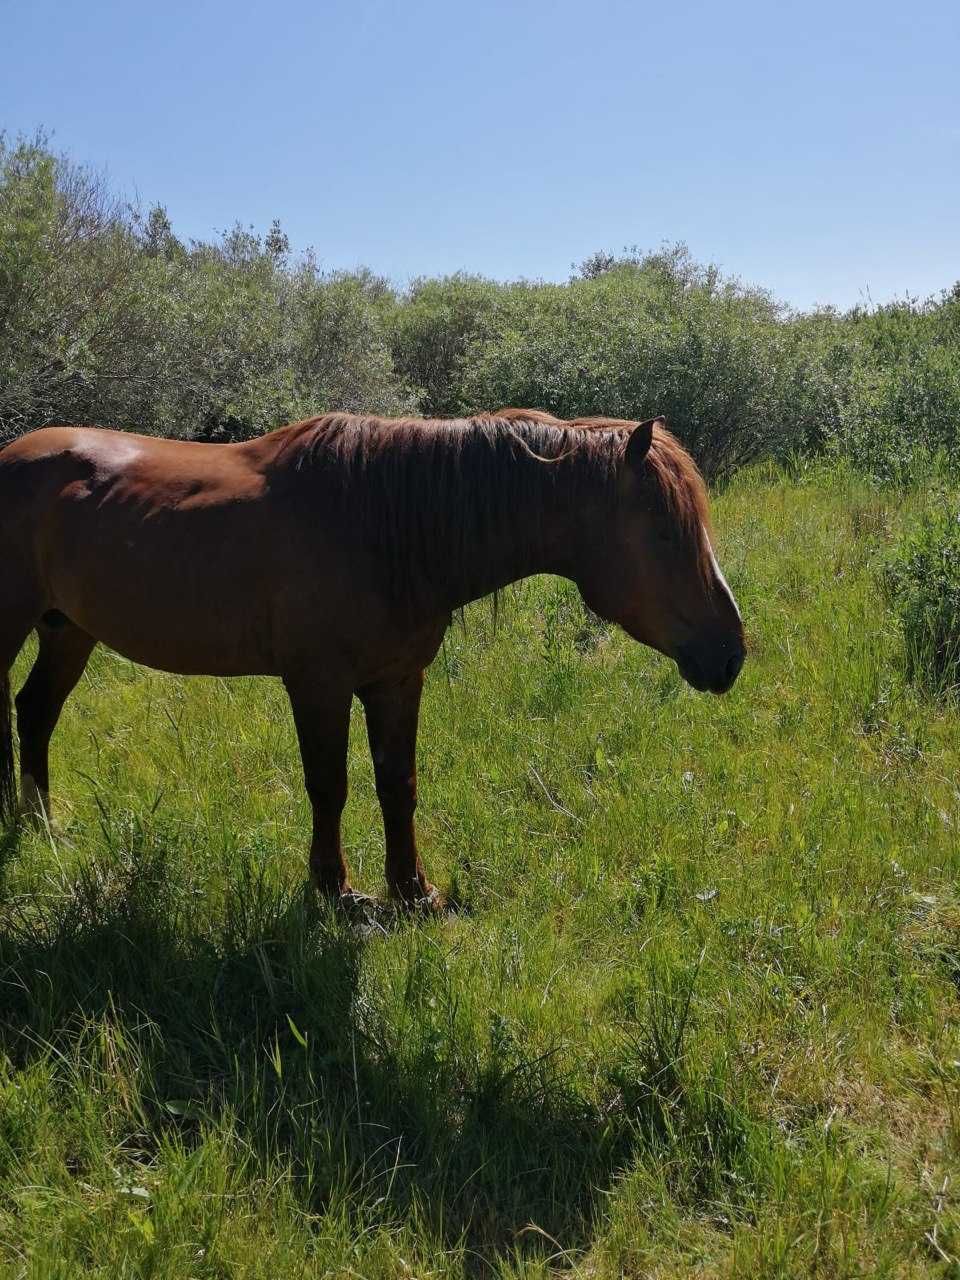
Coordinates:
432 331
78 331
226 348
902 410
105 316
342 357
656 335
922 582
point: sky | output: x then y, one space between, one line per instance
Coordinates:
813 148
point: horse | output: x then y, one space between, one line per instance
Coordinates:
333 553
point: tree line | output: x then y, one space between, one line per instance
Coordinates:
107 316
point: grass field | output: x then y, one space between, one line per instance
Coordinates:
696 1013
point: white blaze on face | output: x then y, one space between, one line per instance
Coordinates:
721 580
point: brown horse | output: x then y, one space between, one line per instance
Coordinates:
332 553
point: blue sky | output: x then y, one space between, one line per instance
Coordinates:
812 148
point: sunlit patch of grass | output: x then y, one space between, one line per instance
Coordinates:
697 1013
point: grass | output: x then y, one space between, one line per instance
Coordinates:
696 1015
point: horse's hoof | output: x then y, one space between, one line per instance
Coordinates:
353 900
433 901
361 910
421 899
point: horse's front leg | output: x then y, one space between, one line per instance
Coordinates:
393 708
322 716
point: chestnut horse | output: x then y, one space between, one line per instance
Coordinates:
331 553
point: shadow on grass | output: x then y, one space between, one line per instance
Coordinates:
258 1011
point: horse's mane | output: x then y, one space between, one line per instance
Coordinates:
678 476
431 493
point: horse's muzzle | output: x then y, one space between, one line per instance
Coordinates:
712 670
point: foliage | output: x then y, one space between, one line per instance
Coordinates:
659 335
342 357
105 315
903 408
922 579
78 329
432 332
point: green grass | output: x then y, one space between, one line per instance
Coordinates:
697 1013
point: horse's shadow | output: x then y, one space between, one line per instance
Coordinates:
268 1018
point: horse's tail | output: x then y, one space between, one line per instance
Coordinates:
8 777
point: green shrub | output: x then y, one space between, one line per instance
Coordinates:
79 329
656 335
432 330
105 316
901 411
922 582
341 354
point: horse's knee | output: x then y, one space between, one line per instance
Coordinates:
37 711
328 796
397 792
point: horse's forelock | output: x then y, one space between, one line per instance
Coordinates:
684 493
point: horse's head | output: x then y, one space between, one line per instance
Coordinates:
647 563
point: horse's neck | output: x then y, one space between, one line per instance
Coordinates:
440 548
531 538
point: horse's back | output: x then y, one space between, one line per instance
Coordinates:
157 468
156 546
193 557
55 443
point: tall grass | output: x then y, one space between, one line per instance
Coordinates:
922 581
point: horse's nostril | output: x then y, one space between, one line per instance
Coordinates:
734 664
713 671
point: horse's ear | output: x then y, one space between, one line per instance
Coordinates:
640 439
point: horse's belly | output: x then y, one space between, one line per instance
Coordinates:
182 650
168 597
161 632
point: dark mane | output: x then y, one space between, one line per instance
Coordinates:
432 492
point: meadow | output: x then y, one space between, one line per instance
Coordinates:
694 1012
694 1009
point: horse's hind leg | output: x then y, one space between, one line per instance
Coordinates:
17 620
61 658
